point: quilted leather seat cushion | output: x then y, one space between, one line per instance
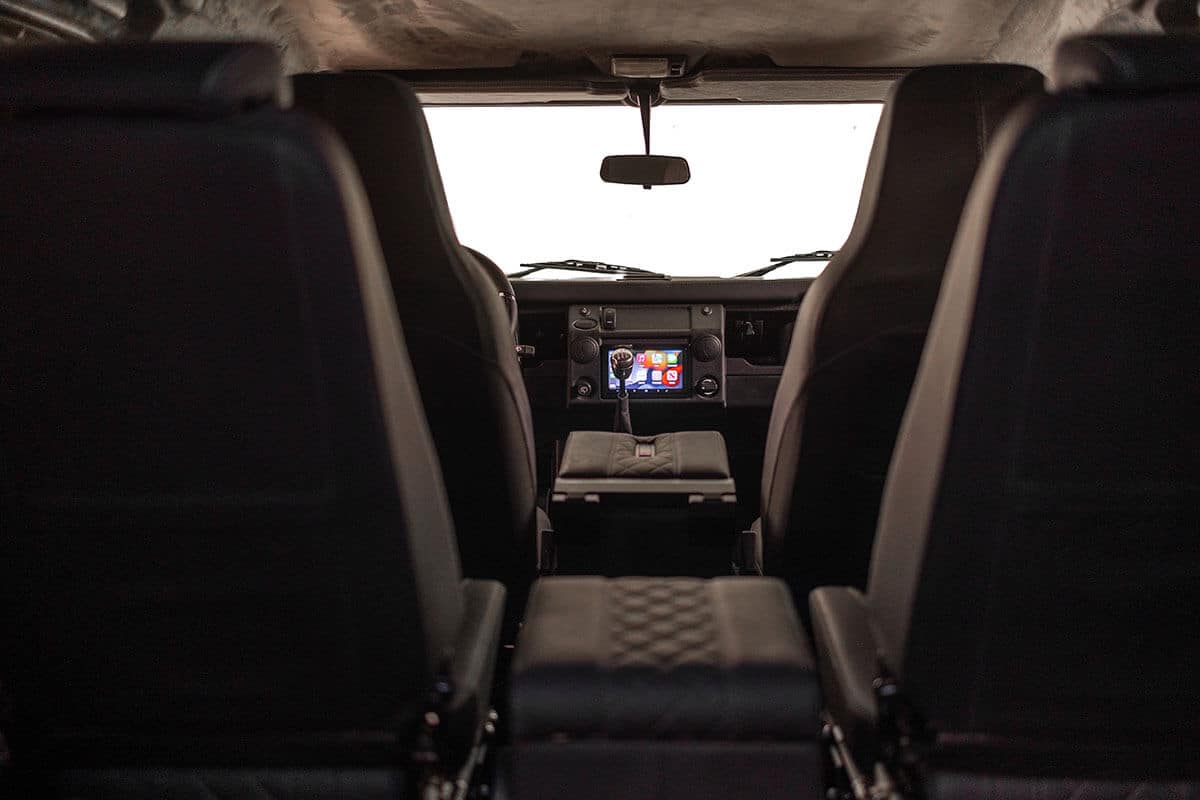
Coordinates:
688 454
663 658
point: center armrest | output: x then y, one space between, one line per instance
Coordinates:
683 463
688 454
663 687
654 658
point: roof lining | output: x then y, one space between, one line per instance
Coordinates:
552 40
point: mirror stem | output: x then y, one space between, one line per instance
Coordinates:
644 102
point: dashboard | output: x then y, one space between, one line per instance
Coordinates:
704 343
750 322
677 352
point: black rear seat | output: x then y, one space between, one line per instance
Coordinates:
228 563
1031 610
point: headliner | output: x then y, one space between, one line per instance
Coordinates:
545 50
440 34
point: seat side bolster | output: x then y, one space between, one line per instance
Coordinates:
475 658
847 656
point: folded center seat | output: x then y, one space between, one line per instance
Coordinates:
663 687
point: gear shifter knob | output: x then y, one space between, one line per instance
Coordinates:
621 362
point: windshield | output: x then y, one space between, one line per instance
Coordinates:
767 181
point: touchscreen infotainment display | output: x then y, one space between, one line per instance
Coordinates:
654 372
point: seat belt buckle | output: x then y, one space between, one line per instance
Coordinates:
747 553
525 351
547 562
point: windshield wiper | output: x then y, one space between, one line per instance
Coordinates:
577 265
782 261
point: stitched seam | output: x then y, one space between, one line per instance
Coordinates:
980 120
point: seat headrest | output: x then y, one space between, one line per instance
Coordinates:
1127 63
192 78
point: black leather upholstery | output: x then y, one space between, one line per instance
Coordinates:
602 769
1033 583
861 325
458 330
639 686
226 542
502 286
1127 63
663 658
208 783
847 654
972 786
687 454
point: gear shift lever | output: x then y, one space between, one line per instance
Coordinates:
621 362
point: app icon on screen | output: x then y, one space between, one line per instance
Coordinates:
671 377
672 358
656 376
641 358
657 358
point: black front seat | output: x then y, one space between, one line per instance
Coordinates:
228 564
1034 585
862 323
459 331
503 288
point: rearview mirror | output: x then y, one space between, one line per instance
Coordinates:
645 170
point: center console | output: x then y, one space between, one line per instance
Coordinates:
643 505
663 504
679 351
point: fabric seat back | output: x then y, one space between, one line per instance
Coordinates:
223 517
1035 573
863 321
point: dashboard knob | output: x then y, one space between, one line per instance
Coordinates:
708 386
706 347
584 388
585 349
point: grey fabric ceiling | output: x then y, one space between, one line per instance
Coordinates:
435 34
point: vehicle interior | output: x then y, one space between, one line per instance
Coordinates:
584 400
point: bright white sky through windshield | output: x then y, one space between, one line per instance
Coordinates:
524 184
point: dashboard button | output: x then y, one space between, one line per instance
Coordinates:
706 347
708 386
584 388
584 324
585 349
610 318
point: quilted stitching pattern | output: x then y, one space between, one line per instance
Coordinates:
661 624
625 462
664 659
